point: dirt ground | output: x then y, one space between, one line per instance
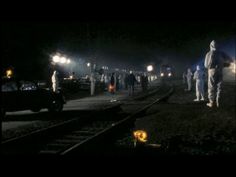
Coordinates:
182 126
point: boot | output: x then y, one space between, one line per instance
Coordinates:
217 104
210 104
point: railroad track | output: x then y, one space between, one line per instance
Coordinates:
74 135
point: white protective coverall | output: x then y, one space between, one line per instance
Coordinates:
92 85
198 76
55 82
215 60
189 79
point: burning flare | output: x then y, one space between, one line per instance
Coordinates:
140 136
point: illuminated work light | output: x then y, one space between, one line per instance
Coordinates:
62 60
56 58
68 61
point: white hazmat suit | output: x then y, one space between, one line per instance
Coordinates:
55 82
189 79
214 62
198 76
92 85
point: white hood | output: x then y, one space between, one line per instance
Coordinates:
213 45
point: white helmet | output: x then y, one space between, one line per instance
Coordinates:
213 45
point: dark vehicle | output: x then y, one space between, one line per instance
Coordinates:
25 95
166 71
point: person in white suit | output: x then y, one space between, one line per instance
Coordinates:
189 79
198 76
215 61
55 83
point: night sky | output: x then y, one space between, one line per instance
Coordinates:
27 46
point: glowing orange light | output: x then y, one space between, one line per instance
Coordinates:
111 88
140 136
9 73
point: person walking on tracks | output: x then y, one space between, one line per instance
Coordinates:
215 61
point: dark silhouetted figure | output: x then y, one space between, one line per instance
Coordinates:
131 81
144 82
112 84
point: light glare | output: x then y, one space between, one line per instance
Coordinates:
56 59
62 60
149 68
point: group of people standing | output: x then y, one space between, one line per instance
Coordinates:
129 83
215 61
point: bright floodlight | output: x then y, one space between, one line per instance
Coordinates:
56 58
88 64
149 68
62 60
169 74
162 74
68 61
